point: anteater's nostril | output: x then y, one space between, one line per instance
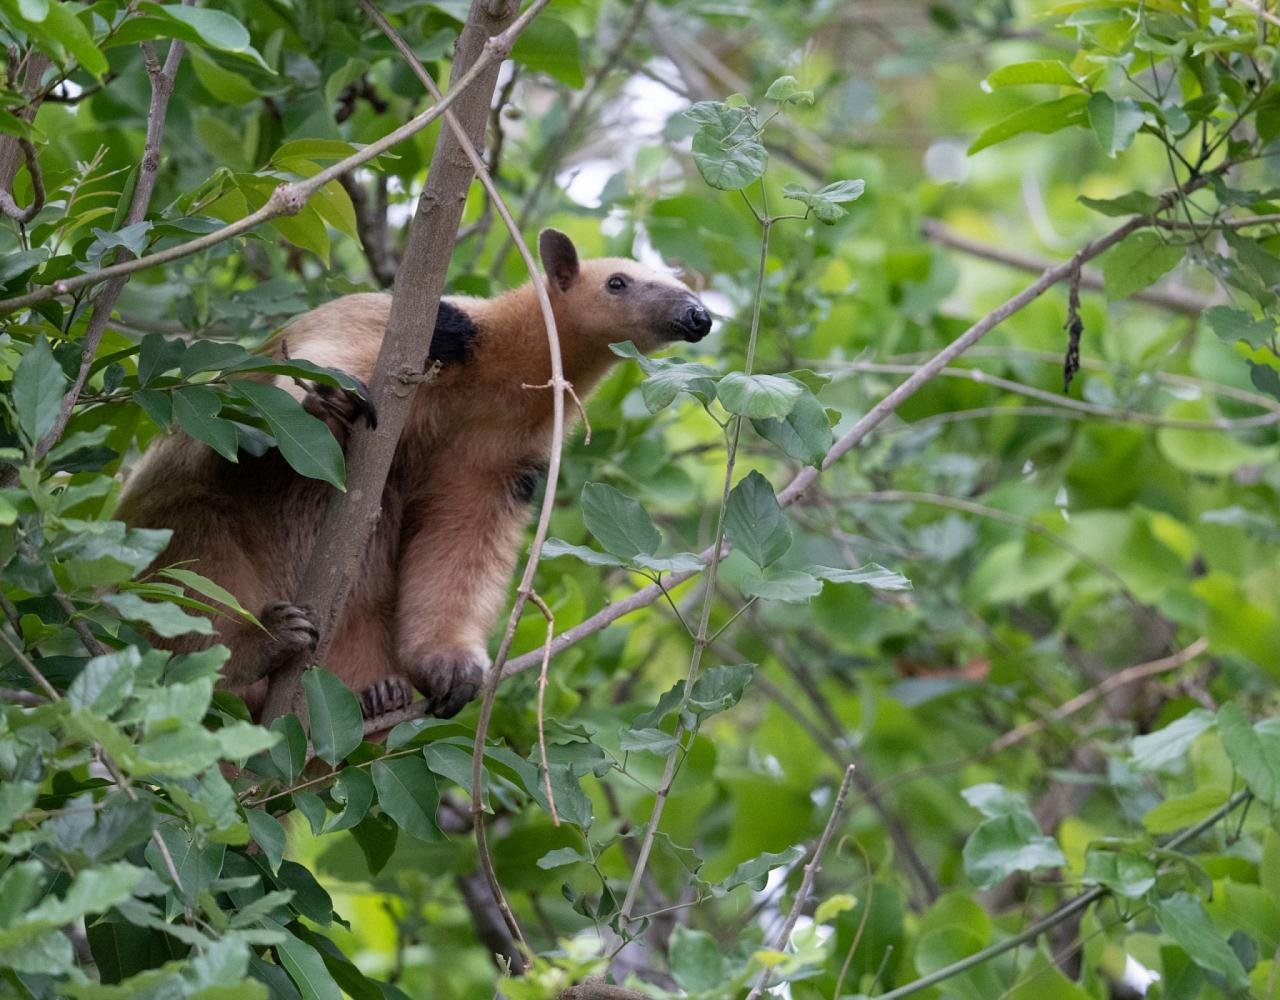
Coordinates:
698 319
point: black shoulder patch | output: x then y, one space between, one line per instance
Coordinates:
524 483
454 337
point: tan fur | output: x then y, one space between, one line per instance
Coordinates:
433 582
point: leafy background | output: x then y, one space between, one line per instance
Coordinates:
1041 624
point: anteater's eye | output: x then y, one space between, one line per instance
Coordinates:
616 283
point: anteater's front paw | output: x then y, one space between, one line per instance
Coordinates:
340 408
388 695
448 679
290 627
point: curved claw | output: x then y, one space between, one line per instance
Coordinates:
449 680
388 695
341 406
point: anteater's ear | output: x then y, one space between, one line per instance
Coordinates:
559 258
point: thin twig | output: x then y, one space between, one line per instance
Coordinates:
23 699
10 207
542 696
577 402
1059 915
806 883
703 637
1130 675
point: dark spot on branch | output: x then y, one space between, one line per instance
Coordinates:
1074 327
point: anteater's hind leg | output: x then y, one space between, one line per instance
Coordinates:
363 656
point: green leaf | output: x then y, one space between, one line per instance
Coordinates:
755 873
196 409
354 790
1206 452
38 386
337 725
726 149
1114 122
618 522
870 575
16 797
754 522
791 586
720 688
62 28
304 441
758 397
1183 917
408 794
1007 844
825 202
994 800
1254 751
1133 203
1050 71
164 619
548 45
695 960
646 741
290 754
1138 260
560 857
105 682
787 90
1125 872
1236 324
227 87
158 355
203 585
664 383
1181 811
241 740
216 29
307 969
553 548
1168 747
804 434
1045 118
268 834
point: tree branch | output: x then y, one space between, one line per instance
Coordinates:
371 225
28 77
1065 402
8 206
1174 299
806 883
350 518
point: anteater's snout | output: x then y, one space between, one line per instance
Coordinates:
695 322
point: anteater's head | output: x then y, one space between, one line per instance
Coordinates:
610 299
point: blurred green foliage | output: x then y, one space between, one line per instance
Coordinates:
951 606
